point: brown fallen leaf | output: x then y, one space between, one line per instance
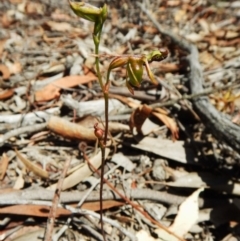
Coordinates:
32 167
32 210
6 94
43 211
169 122
52 90
95 206
139 116
70 130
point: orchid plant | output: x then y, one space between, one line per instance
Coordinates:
135 65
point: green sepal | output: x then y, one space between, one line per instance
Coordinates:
86 11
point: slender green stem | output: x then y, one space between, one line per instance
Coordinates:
98 65
106 97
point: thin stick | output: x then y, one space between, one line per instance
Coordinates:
52 214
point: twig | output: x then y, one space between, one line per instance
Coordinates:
22 130
29 117
56 198
67 197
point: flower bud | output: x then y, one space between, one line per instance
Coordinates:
98 132
87 11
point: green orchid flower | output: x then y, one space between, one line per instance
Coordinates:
135 65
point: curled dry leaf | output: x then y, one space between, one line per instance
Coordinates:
70 130
169 122
52 90
139 116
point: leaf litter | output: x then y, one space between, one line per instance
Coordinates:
50 101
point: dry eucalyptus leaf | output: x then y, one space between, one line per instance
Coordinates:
166 148
70 130
185 219
200 179
139 116
52 90
169 122
187 215
32 167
